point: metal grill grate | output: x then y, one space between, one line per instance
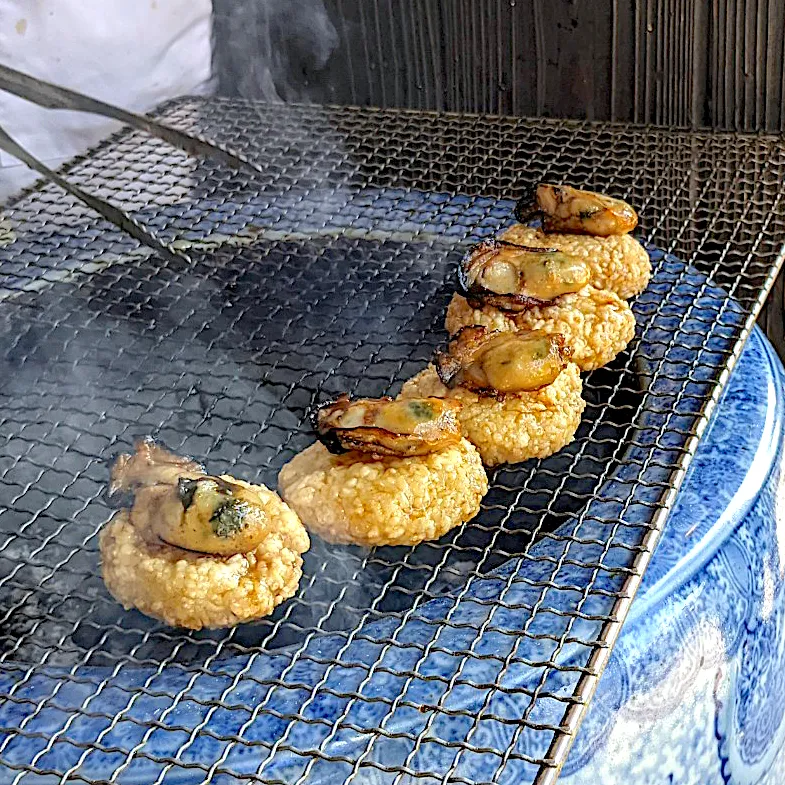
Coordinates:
467 660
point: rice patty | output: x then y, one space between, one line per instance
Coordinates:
617 262
596 325
368 500
189 589
518 426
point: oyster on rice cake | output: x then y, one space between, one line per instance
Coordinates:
508 286
596 324
593 226
520 392
385 472
196 550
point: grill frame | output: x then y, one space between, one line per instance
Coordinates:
424 143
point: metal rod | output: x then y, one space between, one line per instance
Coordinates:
112 214
51 96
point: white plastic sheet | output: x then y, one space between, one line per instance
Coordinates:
134 53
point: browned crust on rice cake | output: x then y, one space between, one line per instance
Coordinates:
188 589
356 498
596 325
518 427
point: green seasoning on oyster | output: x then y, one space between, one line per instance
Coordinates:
230 518
210 515
420 410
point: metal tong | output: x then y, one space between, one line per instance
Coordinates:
51 96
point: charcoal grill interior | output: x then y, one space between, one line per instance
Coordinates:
332 272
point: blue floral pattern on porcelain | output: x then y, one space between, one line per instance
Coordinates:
699 671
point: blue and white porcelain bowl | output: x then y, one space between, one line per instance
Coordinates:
695 688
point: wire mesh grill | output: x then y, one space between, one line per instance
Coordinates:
467 660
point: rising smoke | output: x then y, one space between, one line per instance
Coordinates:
272 49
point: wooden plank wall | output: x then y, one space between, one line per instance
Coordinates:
693 63
668 62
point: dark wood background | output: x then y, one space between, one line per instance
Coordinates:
693 63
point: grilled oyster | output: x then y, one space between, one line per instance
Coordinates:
563 208
496 363
195 550
382 426
515 277
150 465
178 502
